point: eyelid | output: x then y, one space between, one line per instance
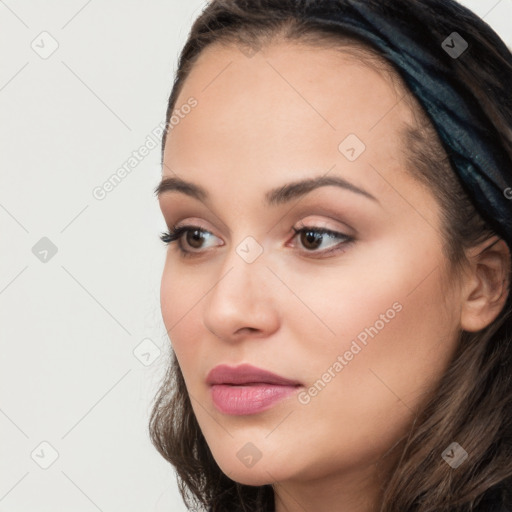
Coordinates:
191 223
195 226
174 236
302 224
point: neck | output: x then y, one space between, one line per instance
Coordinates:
356 490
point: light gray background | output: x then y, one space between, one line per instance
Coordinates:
69 325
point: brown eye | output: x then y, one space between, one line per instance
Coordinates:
194 238
312 238
187 237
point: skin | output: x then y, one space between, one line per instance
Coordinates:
262 122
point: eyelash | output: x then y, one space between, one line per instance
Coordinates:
175 234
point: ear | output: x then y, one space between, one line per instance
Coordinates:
486 285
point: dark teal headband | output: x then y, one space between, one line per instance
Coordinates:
469 137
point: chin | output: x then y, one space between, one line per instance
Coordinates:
250 476
238 466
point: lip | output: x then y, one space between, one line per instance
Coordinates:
246 389
246 374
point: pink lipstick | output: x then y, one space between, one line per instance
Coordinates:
246 389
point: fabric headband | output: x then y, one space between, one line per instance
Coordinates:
476 155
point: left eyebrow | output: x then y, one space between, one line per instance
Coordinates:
274 197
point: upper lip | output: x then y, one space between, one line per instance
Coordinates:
246 374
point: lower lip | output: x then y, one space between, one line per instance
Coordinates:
248 399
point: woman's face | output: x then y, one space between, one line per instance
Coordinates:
364 320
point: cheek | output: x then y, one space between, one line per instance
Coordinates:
180 297
394 335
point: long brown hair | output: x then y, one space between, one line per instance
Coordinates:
472 403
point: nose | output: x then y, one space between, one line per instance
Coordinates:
243 300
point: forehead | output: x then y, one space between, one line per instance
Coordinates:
286 108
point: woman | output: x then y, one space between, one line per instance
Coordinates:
336 182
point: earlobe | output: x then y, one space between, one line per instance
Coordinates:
487 284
